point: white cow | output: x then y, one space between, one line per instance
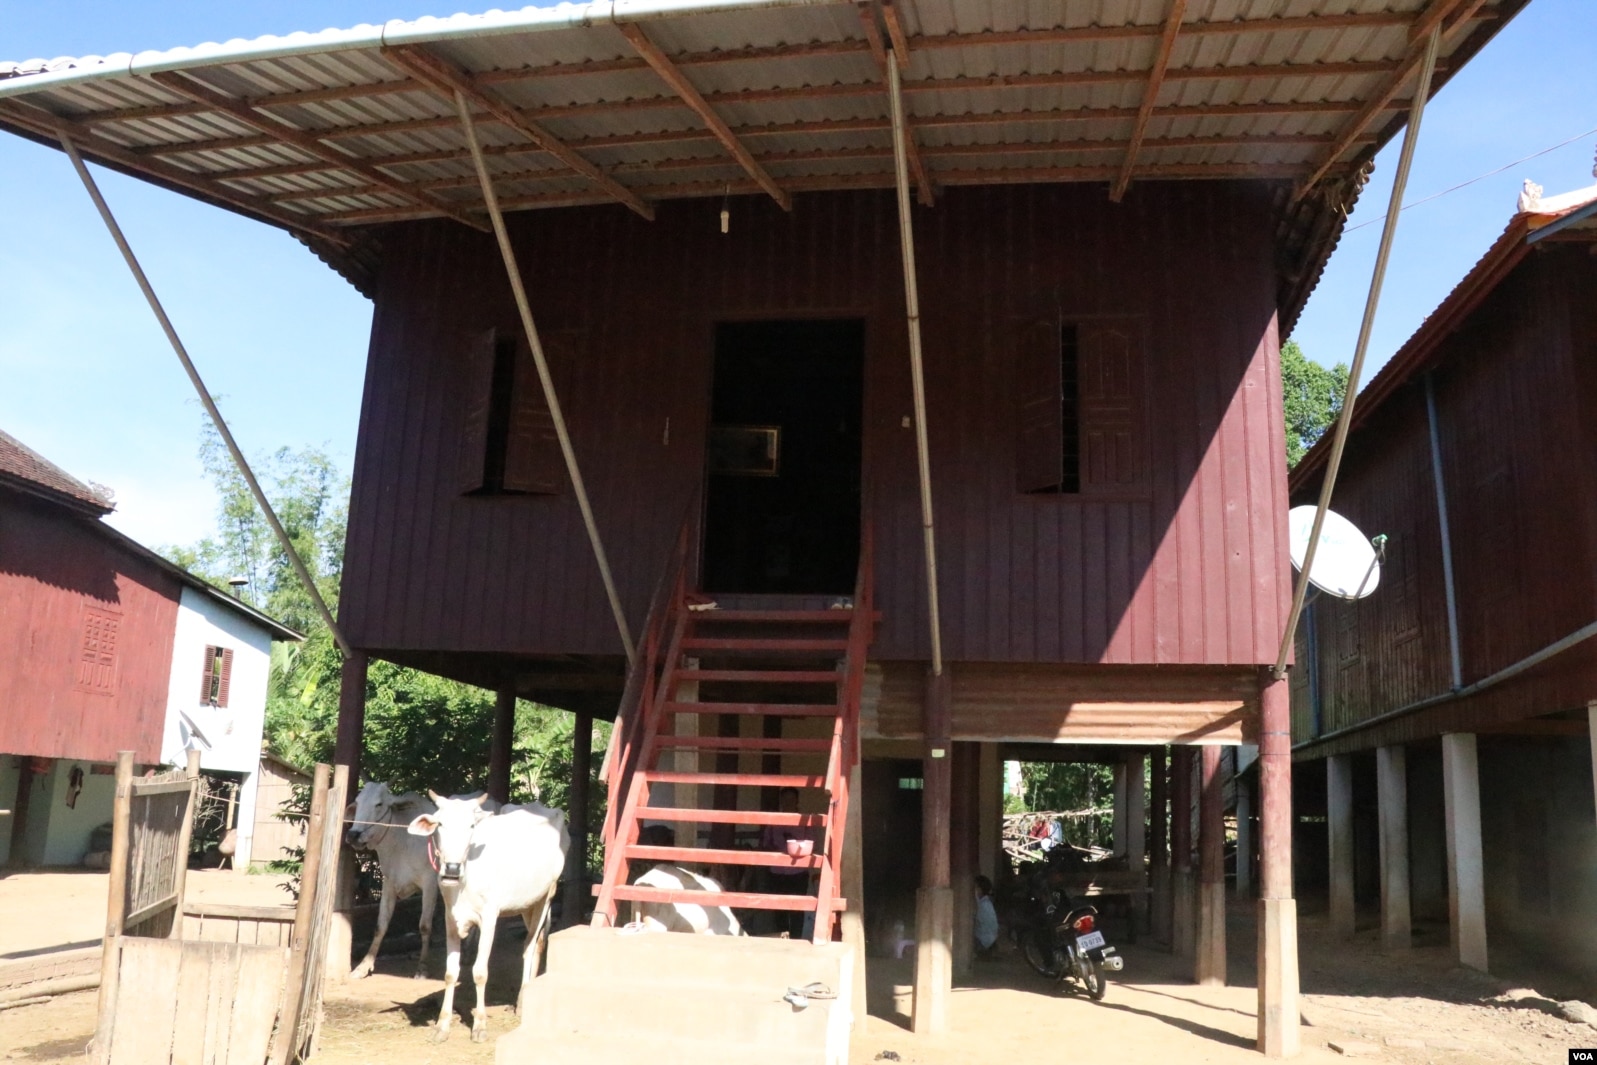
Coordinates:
489 864
683 916
380 824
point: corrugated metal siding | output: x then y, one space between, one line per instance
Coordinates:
52 569
1193 572
1514 390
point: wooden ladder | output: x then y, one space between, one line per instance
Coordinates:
767 664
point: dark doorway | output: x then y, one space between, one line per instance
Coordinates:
782 502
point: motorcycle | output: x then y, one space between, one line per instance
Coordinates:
1062 941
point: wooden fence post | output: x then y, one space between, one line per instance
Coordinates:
184 837
299 959
116 904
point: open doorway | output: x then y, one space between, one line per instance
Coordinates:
782 499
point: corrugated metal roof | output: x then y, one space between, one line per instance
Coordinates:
996 91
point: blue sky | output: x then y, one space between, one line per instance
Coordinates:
87 379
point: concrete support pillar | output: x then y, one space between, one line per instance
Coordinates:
852 919
350 744
934 902
1466 883
990 811
1391 780
502 743
1339 829
1208 966
1158 837
1244 838
1137 828
1183 918
1279 1022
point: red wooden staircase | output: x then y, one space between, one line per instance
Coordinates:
774 665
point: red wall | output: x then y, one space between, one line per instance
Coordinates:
54 570
1192 570
1515 386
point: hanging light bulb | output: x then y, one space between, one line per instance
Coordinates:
726 215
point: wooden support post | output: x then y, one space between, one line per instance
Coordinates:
351 743
1466 883
1209 963
1244 881
1182 918
852 919
990 811
185 836
1137 830
962 854
577 893
1591 729
1120 838
1158 842
18 858
116 905
1339 830
1279 1024
1391 778
501 744
299 964
934 902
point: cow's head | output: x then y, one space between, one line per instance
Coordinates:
374 810
450 826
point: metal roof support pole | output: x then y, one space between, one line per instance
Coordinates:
204 393
1455 658
1344 421
513 272
906 233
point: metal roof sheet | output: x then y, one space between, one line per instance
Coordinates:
1300 91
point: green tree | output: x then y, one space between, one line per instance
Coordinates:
1311 399
422 731
1058 787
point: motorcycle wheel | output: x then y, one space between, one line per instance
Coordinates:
1037 954
1094 982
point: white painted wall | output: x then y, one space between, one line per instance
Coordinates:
232 734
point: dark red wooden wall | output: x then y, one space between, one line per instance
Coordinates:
61 581
1515 387
1190 569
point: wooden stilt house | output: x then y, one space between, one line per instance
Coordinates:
790 473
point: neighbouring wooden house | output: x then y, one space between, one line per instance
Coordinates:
1451 708
105 646
792 490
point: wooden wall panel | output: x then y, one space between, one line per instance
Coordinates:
1190 569
1514 389
56 572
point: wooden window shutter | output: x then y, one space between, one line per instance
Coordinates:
533 462
477 386
1039 442
227 676
1112 391
205 677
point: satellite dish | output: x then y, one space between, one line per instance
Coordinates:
1345 565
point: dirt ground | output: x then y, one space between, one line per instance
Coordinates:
1412 1010
69 904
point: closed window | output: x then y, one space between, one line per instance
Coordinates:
1082 389
508 444
217 676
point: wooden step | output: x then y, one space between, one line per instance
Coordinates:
740 900
708 856
756 709
743 743
767 644
764 617
762 676
742 780
731 817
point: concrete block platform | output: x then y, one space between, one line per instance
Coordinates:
645 998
